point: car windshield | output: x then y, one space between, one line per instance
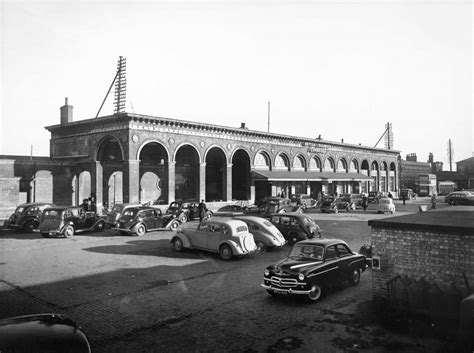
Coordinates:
19 209
117 208
308 220
387 201
307 251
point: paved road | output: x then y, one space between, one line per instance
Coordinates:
138 295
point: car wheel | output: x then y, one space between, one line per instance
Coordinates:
174 225
261 246
354 278
178 245
30 226
183 218
45 235
100 227
68 231
293 239
140 230
315 294
225 252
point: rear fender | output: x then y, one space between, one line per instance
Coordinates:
236 249
184 239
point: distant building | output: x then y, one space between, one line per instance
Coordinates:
465 168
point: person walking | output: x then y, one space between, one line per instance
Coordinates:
403 198
365 202
202 210
433 202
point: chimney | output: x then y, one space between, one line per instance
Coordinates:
242 126
66 113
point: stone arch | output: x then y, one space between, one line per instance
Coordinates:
187 163
216 174
262 160
109 150
42 186
365 165
282 161
299 162
329 164
315 163
153 141
154 170
241 180
342 165
354 165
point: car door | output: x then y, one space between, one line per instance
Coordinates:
284 225
158 219
78 217
345 260
199 237
332 269
215 234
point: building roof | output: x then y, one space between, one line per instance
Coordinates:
458 220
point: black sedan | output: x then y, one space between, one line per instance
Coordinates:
337 204
139 220
313 265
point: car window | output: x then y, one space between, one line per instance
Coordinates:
330 252
74 212
214 228
343 250
275 220
241 229
294 221
225 230
285 221
307 251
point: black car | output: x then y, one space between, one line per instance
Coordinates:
337 204
27 216
186 210
142 219
295 226
67 221
460 198
42 333
275 204
312 266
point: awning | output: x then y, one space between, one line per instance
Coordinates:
284 175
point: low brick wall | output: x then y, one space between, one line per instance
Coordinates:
430 252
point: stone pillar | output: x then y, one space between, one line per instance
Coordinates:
228 182
308 189
171 181
202 181
252 192
131 182
274 190
98 186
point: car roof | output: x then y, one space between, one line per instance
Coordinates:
34 204
323 242
290 214
255 219
232 223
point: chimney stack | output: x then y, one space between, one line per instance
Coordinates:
242 126
66 113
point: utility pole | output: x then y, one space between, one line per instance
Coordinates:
450 155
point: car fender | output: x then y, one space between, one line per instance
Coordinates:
184 238
65 225
236 249
97 222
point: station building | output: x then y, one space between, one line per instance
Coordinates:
139 158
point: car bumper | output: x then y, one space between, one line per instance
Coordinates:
288 291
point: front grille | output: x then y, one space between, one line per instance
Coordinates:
284 283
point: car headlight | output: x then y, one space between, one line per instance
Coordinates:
266 272
301 277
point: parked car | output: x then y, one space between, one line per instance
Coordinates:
279 205
313 265
295 226
265 234
303 200
229 211
335 205
116 212
142 219
355 199
374 196
386 205
460 198
42 333
68 221
186 211
408 194
27 216
227 237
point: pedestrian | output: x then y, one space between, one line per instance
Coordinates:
433 202
365 202
404 197
202 210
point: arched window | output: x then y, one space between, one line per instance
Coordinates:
329 164
281 162
299 163
261 161
315 163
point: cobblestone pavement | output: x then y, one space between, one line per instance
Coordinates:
137 295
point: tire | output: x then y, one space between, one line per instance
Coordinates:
315 294
293 239
225 252
174 225
261 246
68 231
100 227
354 278
45 235
178 245
30 226
183 218
140 230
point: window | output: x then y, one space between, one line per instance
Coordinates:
294 222
285 221
343 250
330 252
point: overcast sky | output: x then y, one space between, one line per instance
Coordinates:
339 69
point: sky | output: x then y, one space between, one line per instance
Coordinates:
339 69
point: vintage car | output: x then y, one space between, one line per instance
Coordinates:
227 237
142 219
355 199
460 198
116 212
67 221
265 234
279 205
303 200
27 216
386 205
229 211
186 211
295 226
312 266
374 196
42 333
331 204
